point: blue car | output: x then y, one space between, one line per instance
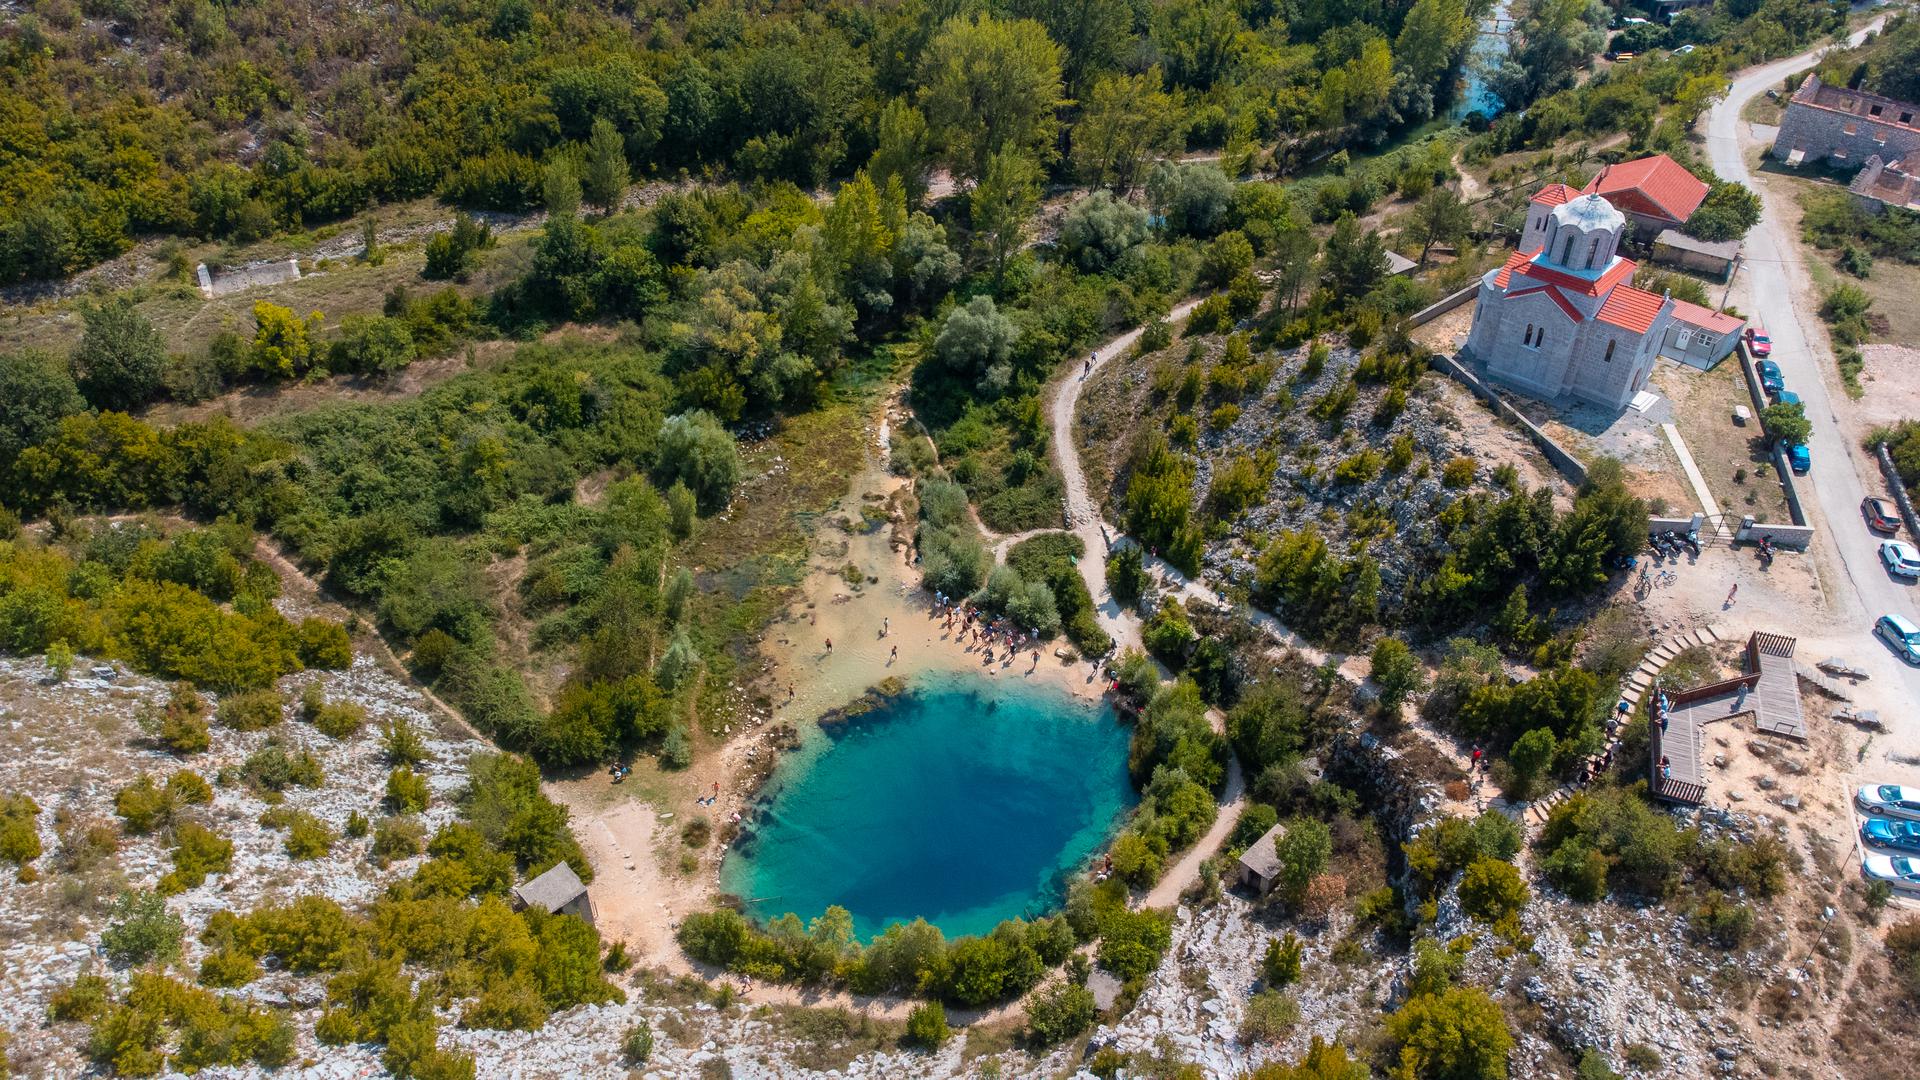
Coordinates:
1899 632
1786 397
1899 835
1800 458
1771 380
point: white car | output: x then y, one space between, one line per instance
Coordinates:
1889 800
1902 558
1896 870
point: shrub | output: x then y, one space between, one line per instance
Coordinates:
403 744
1280 967
637 1047
307 836
1456 1034
250 711
144 805
357 825
323 644
396 838
142 930
927 1025
19 829
406 791
87 998
1270 1017
1492 890
197 852
227 968
335 720
1058 1014
1458 473
189 788
1721 920
271 769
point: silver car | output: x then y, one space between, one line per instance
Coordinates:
1890 800
1897 870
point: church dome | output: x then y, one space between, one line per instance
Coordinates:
1589 213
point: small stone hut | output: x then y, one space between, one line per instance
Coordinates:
559 891
1260 864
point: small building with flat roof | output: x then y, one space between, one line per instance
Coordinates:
559 891
1675 248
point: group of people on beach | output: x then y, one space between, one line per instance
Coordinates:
976 628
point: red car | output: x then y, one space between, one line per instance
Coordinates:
1880 514
1758 343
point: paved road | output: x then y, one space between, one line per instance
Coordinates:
1858 590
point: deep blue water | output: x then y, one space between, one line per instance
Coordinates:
967 800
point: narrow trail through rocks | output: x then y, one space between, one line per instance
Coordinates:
1099 536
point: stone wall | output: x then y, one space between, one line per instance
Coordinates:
1818 132
1569 466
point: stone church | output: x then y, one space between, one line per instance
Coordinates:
1561 318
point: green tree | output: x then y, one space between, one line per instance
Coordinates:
1396 671
988 86
1199 40
560 188
1304 851
902 150
120 358
1093 34
283 342
1456 1034
1728 212
1530 756
36 393
1786 422
1099 229
1001 205
1126 123
1059 1013
1355 261
604 179
1431 38
696 451
1438 218
977 340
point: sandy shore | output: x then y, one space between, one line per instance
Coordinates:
632 832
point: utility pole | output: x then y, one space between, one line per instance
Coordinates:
1731 274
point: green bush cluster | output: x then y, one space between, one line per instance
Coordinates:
197 852
907 958
250 711
334 719
19 829
163 1024
178 607
1052 558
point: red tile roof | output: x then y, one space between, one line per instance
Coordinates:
1514 262
1554 295
1654 186
1620 271
1631 309
1554 195
1706 318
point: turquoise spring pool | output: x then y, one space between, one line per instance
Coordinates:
966 800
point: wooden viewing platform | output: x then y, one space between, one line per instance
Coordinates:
1768 691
